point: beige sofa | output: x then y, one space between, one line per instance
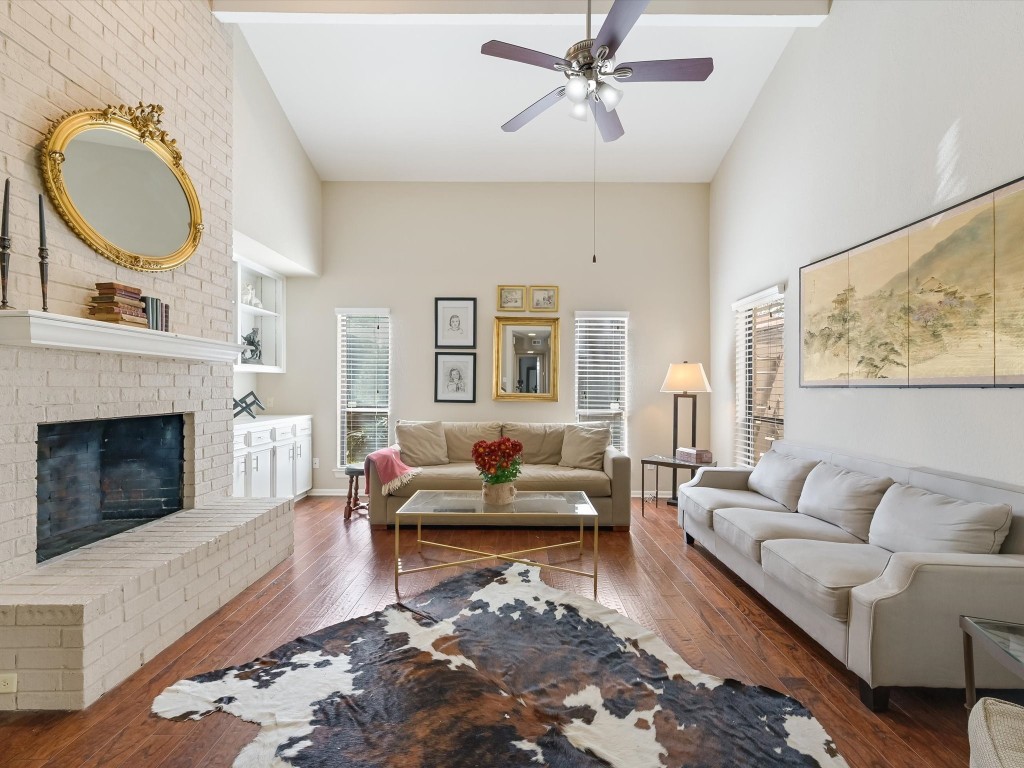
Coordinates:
599 470
875 560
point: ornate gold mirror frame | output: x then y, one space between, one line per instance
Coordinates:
504 385
141 123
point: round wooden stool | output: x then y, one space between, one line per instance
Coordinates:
353 504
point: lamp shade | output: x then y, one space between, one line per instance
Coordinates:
686 377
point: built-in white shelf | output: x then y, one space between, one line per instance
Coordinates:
257 311
31 328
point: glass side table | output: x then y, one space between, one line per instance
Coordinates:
1002 639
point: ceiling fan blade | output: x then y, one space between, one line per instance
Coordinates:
667 70
617 24
607 122
525 55
534 109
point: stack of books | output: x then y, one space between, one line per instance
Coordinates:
119 303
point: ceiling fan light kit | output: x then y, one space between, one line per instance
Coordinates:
589 65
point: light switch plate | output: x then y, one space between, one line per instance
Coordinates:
9 683
316 463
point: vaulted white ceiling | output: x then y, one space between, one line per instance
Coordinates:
394 97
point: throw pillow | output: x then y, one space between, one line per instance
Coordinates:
460 436
780 478
912 519
422 443
542 443
584 447
842 497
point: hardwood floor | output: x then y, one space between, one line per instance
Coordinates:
341 569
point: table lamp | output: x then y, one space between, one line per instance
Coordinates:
684 380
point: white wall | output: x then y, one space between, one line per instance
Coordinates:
277 198
402 245
886 113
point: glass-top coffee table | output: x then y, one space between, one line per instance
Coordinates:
429 506
1002 639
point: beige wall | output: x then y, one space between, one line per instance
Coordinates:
401 245
886 113
277 193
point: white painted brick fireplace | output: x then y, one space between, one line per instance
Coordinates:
73 627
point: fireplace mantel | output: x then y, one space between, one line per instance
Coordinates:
31 328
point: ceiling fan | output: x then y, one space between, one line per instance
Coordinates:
589 67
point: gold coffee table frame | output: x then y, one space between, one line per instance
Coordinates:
468 504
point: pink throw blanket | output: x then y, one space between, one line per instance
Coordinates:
392 472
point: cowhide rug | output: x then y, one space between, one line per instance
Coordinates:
495 668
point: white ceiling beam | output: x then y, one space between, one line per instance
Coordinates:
746 13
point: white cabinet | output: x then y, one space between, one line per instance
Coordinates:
259 303
303 463
273 456
260 471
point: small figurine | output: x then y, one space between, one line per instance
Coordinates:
253 343
250 298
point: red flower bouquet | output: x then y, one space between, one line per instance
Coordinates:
498 461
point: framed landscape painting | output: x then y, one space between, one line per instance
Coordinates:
511 298
543 298
454 323
824 323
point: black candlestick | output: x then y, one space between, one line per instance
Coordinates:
44 273
5 268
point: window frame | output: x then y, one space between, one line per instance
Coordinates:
343 316
617 418
760 323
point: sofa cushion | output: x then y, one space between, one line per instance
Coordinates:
842 497
823 572
542 443
996 733
910 519
700 503
552 477
422 443
780 478
584 447
463 476
748 529
460 436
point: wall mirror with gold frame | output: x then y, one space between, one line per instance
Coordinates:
525 358
117 179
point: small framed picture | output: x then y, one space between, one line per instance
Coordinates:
543 298
455 377
454 323
511 298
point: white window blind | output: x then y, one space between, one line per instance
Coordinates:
364 382
601 357
760 374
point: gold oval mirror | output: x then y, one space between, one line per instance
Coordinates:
525 358
116 178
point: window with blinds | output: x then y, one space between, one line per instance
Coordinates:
364 382
760 374
601 357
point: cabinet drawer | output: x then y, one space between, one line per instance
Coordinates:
304 427
283 432
239 441
260 437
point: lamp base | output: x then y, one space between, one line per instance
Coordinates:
672 502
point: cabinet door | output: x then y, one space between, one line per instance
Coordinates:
303 464
260 473
284 470
238 475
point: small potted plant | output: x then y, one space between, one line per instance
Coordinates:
499 463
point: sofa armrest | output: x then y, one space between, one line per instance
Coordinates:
904 625
378 509
729 478
618 467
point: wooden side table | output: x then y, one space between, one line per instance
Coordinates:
664 461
